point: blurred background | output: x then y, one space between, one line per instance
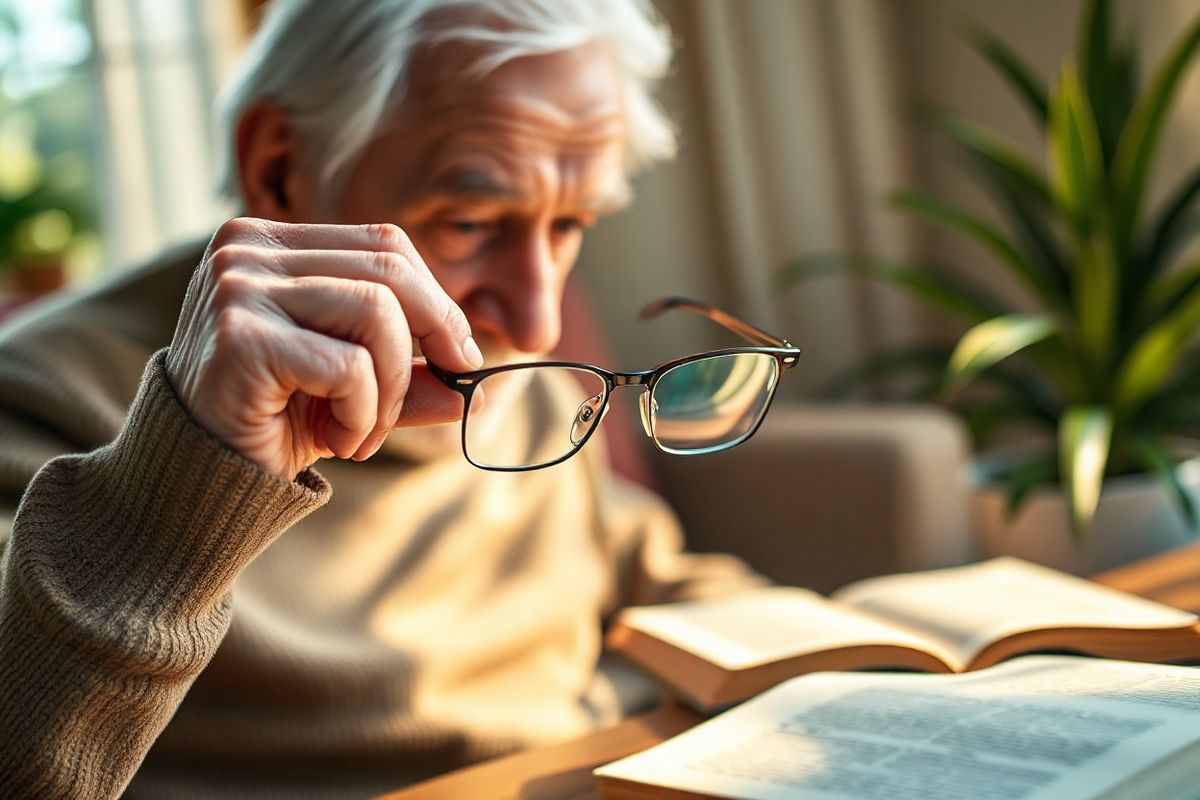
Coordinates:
797 118
105 131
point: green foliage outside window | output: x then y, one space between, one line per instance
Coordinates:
47 134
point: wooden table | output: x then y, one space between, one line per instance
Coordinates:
564 772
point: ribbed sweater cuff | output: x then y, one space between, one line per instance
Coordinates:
171 512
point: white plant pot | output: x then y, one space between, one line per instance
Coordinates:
1136 518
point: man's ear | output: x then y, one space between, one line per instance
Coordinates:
271 165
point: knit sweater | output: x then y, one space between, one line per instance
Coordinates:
176 622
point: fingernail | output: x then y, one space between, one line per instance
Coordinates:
471 353
378 445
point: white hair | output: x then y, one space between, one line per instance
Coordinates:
339 67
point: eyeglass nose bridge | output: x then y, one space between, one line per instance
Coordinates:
642 379
631 378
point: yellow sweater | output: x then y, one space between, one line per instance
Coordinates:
177 623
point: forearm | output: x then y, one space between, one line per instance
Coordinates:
114 592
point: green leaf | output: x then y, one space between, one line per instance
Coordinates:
1022 481
1084 438
1168 292
1155 456
1023 80
984 419
991 342
1172 226
1021 395
1185 379
1096 70
979 231
1095 299
1021 191
1076 158
1144 293
1170 411
1032 224
931 283
1123 87
1153 356
1139 140
990 148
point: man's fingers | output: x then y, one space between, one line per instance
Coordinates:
428 401
321 366
361 312
311 236
434 319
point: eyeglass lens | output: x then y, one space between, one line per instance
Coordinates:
712 403
523 420
697 407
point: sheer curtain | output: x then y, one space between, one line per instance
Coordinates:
158 65
790 133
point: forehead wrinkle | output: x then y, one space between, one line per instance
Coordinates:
474 183
534 117
476 169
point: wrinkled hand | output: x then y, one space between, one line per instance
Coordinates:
295 341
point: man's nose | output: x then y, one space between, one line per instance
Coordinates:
530 286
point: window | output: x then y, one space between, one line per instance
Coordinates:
49 160
106 135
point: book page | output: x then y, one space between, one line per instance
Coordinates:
965 608
763 625
1035 728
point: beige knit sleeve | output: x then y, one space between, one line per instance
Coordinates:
114 591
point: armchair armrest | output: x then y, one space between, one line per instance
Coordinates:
825 495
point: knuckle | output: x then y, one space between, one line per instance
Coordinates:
227 258
378 298
357 362
453 319
234 230
230 288
387 236
390 266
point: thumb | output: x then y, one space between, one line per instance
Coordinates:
428 401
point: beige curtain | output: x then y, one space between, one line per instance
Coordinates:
790 133
157 66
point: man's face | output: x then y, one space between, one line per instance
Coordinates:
494 180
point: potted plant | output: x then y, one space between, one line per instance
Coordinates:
1105 368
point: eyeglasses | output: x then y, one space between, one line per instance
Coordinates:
698 404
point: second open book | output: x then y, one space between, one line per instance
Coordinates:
717 652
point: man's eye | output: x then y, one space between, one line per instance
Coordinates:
470 226
569 224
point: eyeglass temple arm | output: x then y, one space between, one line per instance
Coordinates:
722 318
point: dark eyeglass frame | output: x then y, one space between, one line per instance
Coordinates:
785 353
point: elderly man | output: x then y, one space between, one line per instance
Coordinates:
187 607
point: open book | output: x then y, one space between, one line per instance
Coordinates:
721 651
1036 728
